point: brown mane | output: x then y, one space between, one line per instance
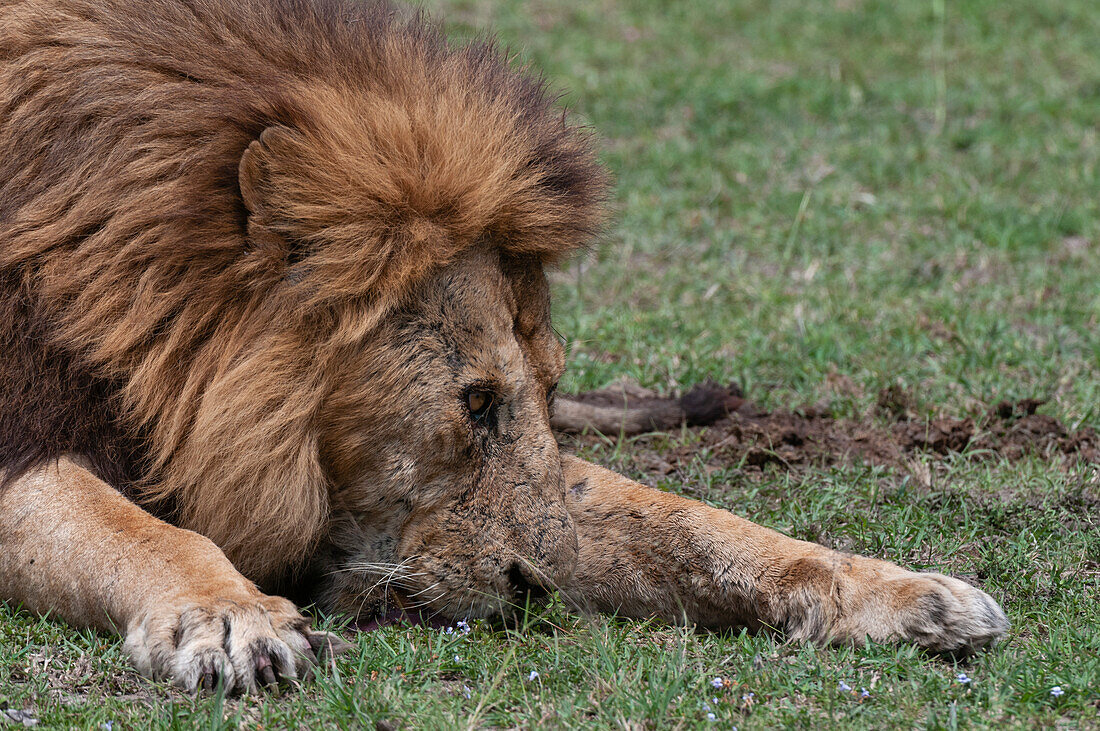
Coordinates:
171 302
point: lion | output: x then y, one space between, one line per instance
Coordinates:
275 322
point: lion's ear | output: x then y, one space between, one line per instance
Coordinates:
259 164
264 174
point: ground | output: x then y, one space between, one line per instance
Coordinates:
880 219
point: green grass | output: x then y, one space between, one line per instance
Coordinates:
816 199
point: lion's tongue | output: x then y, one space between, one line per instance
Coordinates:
397 616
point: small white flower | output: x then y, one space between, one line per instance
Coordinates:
1057 691
449 630
458 659
864 693
706 707
533 676
843 687
962 678
714 701
717 683
466 691
748 696
462 626
712 717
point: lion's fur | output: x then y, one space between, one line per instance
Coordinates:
176 282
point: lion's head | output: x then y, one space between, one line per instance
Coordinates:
418 225
447 480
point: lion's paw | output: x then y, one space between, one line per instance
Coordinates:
244 645
947 615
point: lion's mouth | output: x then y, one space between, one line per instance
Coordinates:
399 609
399 615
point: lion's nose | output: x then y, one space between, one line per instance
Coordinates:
525 583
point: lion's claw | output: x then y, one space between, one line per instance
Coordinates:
243 645
265 674
209 681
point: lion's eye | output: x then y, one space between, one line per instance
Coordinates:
479 403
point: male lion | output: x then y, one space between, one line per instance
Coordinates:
273 313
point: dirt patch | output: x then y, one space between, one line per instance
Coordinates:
746 435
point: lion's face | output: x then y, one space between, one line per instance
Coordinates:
448 489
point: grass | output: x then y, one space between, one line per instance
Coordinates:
818 200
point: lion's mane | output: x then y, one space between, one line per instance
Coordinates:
171 313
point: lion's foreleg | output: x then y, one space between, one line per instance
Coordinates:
72 546
645 552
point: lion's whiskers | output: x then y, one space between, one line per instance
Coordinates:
374 566
422 591
388 575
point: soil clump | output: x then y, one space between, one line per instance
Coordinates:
739 433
